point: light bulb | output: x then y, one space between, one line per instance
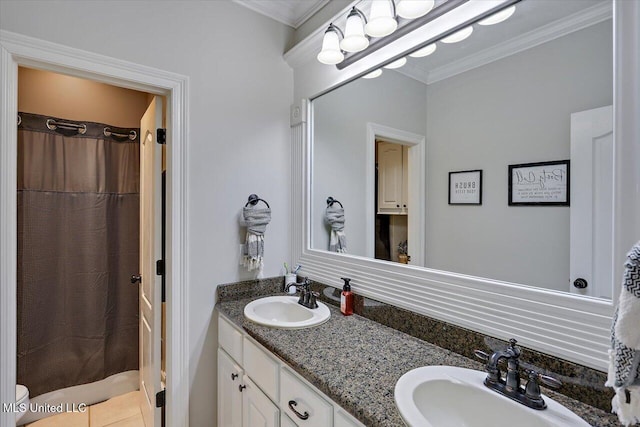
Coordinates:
354 39
458 36
331 53
498 17
373 74
396 64
412 9
381 19
425 51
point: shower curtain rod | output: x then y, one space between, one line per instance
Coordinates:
53 124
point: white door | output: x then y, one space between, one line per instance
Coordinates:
389 177
257 409
230 377
591 215
150 251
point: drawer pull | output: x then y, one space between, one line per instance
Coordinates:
241 387
304 416
234 376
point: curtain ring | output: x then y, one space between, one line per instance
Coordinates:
19 119
51 124
82 130
133 135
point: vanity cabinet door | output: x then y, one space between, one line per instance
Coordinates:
257 409
230 377
262 368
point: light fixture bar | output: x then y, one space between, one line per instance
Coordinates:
410 26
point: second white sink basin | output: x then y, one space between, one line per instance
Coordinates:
285 312
447 396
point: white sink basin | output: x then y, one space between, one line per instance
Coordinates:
447 396
285 312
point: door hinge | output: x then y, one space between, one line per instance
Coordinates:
160 399
159 267
161 136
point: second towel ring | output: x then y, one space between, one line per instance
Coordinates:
254 199
331 201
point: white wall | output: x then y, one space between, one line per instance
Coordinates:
240 93
340 146
516 110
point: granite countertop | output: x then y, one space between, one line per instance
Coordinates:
357 362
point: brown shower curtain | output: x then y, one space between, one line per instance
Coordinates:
78 232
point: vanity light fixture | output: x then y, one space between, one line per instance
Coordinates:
390 20
354 38
425 51
458 36
373 74
498 17
382 18
412 9
396 64
331 53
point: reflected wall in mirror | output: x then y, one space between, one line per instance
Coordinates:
509 94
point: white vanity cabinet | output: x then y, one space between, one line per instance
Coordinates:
257 409
255 389
230 379
392 178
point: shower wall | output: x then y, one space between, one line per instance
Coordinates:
47 93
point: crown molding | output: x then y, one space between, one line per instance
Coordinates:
289 13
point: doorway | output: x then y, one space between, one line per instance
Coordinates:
395 194
17 50
80 320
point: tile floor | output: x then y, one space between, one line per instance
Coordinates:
119 411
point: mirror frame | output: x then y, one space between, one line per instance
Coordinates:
561 324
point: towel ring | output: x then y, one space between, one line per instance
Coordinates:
254 199
331 201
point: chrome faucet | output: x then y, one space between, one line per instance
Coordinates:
510 386
308 298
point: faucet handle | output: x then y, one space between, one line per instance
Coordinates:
532 389
549 381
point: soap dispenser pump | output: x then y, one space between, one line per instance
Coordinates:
346 298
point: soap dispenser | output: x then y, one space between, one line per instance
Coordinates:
346 298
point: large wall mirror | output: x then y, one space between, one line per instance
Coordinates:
502 166
520 92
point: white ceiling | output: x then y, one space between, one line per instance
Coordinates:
289 12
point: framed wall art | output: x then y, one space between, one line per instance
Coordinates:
465 187
539 184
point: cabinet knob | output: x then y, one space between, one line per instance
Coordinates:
304 416
136 278
241 387
234 376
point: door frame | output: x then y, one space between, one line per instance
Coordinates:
416 193
19 50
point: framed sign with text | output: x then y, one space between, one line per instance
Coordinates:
465 187
539 184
